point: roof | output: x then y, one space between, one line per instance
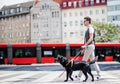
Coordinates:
25 9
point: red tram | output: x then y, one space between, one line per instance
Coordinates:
31 53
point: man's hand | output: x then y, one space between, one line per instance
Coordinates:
84 46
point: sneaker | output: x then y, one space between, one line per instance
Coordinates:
98 76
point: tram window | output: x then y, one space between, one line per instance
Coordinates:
30 52
3 52
109 51
117 50
24 52
48 52
60 51
99 51
74 51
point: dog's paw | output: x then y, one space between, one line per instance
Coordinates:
92 80
65 80
84 80
72 79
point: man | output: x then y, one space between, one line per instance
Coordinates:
89 45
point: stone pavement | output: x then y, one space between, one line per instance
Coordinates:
49 74
52 77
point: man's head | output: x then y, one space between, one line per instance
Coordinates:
87 21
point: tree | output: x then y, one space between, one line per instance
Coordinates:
106 32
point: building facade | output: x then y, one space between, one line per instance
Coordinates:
73 13
15 23
46 22
113 7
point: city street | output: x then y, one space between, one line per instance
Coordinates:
51 74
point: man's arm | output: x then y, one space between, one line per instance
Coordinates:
89 40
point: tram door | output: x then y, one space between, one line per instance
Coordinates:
1 57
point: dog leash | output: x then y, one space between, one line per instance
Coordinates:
76 56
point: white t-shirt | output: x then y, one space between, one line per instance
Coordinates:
91 29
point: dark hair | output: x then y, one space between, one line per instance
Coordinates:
87 19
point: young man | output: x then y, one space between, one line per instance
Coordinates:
89 45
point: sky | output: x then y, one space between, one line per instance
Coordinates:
10 2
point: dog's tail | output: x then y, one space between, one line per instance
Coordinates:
93 61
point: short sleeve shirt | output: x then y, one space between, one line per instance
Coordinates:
91 29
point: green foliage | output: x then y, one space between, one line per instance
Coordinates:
106 32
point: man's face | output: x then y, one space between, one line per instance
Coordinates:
86 23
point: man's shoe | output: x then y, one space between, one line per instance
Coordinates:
98 76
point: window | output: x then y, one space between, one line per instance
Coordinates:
92 2
3 52
91 12
18 10
118 17
118 7
97 12
65 24
71 34
81 22
6 12
69 3
65 15
24 52
64 4
76 23
108 51
70 14
3 12
11 11
97 20
80 3
81 13
74 51
109 18
97 1
86 2
103 1
85 13
75 4
103 11
71 23
81 33
114 18
65 34
76 14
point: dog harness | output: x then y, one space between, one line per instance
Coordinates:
69 63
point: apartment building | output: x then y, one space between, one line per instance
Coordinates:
73 12
113 7
15 23
46 22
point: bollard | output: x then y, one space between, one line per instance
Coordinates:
68 50
38 52
10 53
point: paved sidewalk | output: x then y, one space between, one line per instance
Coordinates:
52 77
49 74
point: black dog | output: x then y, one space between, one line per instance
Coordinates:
71 66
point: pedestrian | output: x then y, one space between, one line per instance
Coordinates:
89 45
